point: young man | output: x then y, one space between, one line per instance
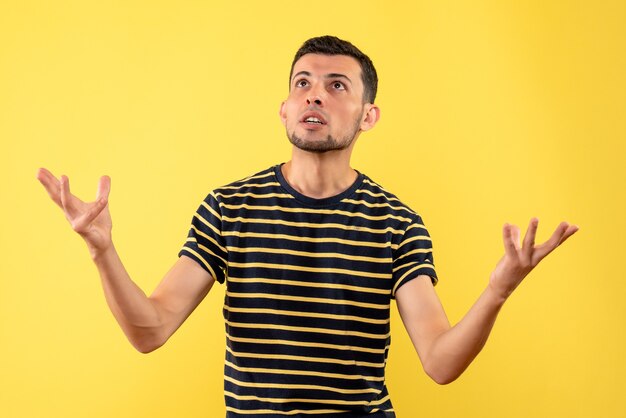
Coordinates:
312 252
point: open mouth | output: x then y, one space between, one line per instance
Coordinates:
313 118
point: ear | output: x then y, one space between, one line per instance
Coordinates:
282 114
370 116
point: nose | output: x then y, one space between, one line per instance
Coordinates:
314 99
314 96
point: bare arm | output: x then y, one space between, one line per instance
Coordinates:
445 351
148 322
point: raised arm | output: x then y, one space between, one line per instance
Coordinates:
148 322
445 351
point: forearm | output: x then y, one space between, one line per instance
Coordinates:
147 322
454 350
136 314
447 351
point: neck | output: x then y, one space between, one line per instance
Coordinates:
319 175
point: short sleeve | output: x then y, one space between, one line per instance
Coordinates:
413 256
205 243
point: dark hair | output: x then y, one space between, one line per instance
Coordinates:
331 45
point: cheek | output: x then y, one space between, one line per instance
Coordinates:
286 113
353 114
291 115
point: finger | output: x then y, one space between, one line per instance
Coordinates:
515 235
81 224
509 245
44 174
547 247
51 184
529 238
104 187
571 230
66 197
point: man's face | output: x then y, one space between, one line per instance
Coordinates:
324 110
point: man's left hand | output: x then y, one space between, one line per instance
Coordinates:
518 261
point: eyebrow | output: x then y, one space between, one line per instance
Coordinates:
330 75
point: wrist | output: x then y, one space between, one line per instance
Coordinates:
98 254
497 296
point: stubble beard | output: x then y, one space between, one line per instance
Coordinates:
329 144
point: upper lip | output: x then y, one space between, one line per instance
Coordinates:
313 114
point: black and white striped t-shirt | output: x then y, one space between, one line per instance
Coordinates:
309 284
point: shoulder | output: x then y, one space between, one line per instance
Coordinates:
260 183
373 195
262 179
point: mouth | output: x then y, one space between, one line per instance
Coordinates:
313 119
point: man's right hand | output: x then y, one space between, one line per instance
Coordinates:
91 220
147 321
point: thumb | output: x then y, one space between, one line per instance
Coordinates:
104 188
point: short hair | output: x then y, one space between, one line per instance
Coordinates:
331 45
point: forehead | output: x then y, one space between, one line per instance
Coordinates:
320 65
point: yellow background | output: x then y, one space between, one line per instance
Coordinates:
492 112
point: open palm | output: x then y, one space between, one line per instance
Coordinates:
91 220
519 260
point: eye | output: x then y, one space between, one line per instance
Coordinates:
301 83
338 85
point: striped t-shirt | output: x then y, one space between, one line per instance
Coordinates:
309 284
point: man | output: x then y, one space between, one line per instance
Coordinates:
312 252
